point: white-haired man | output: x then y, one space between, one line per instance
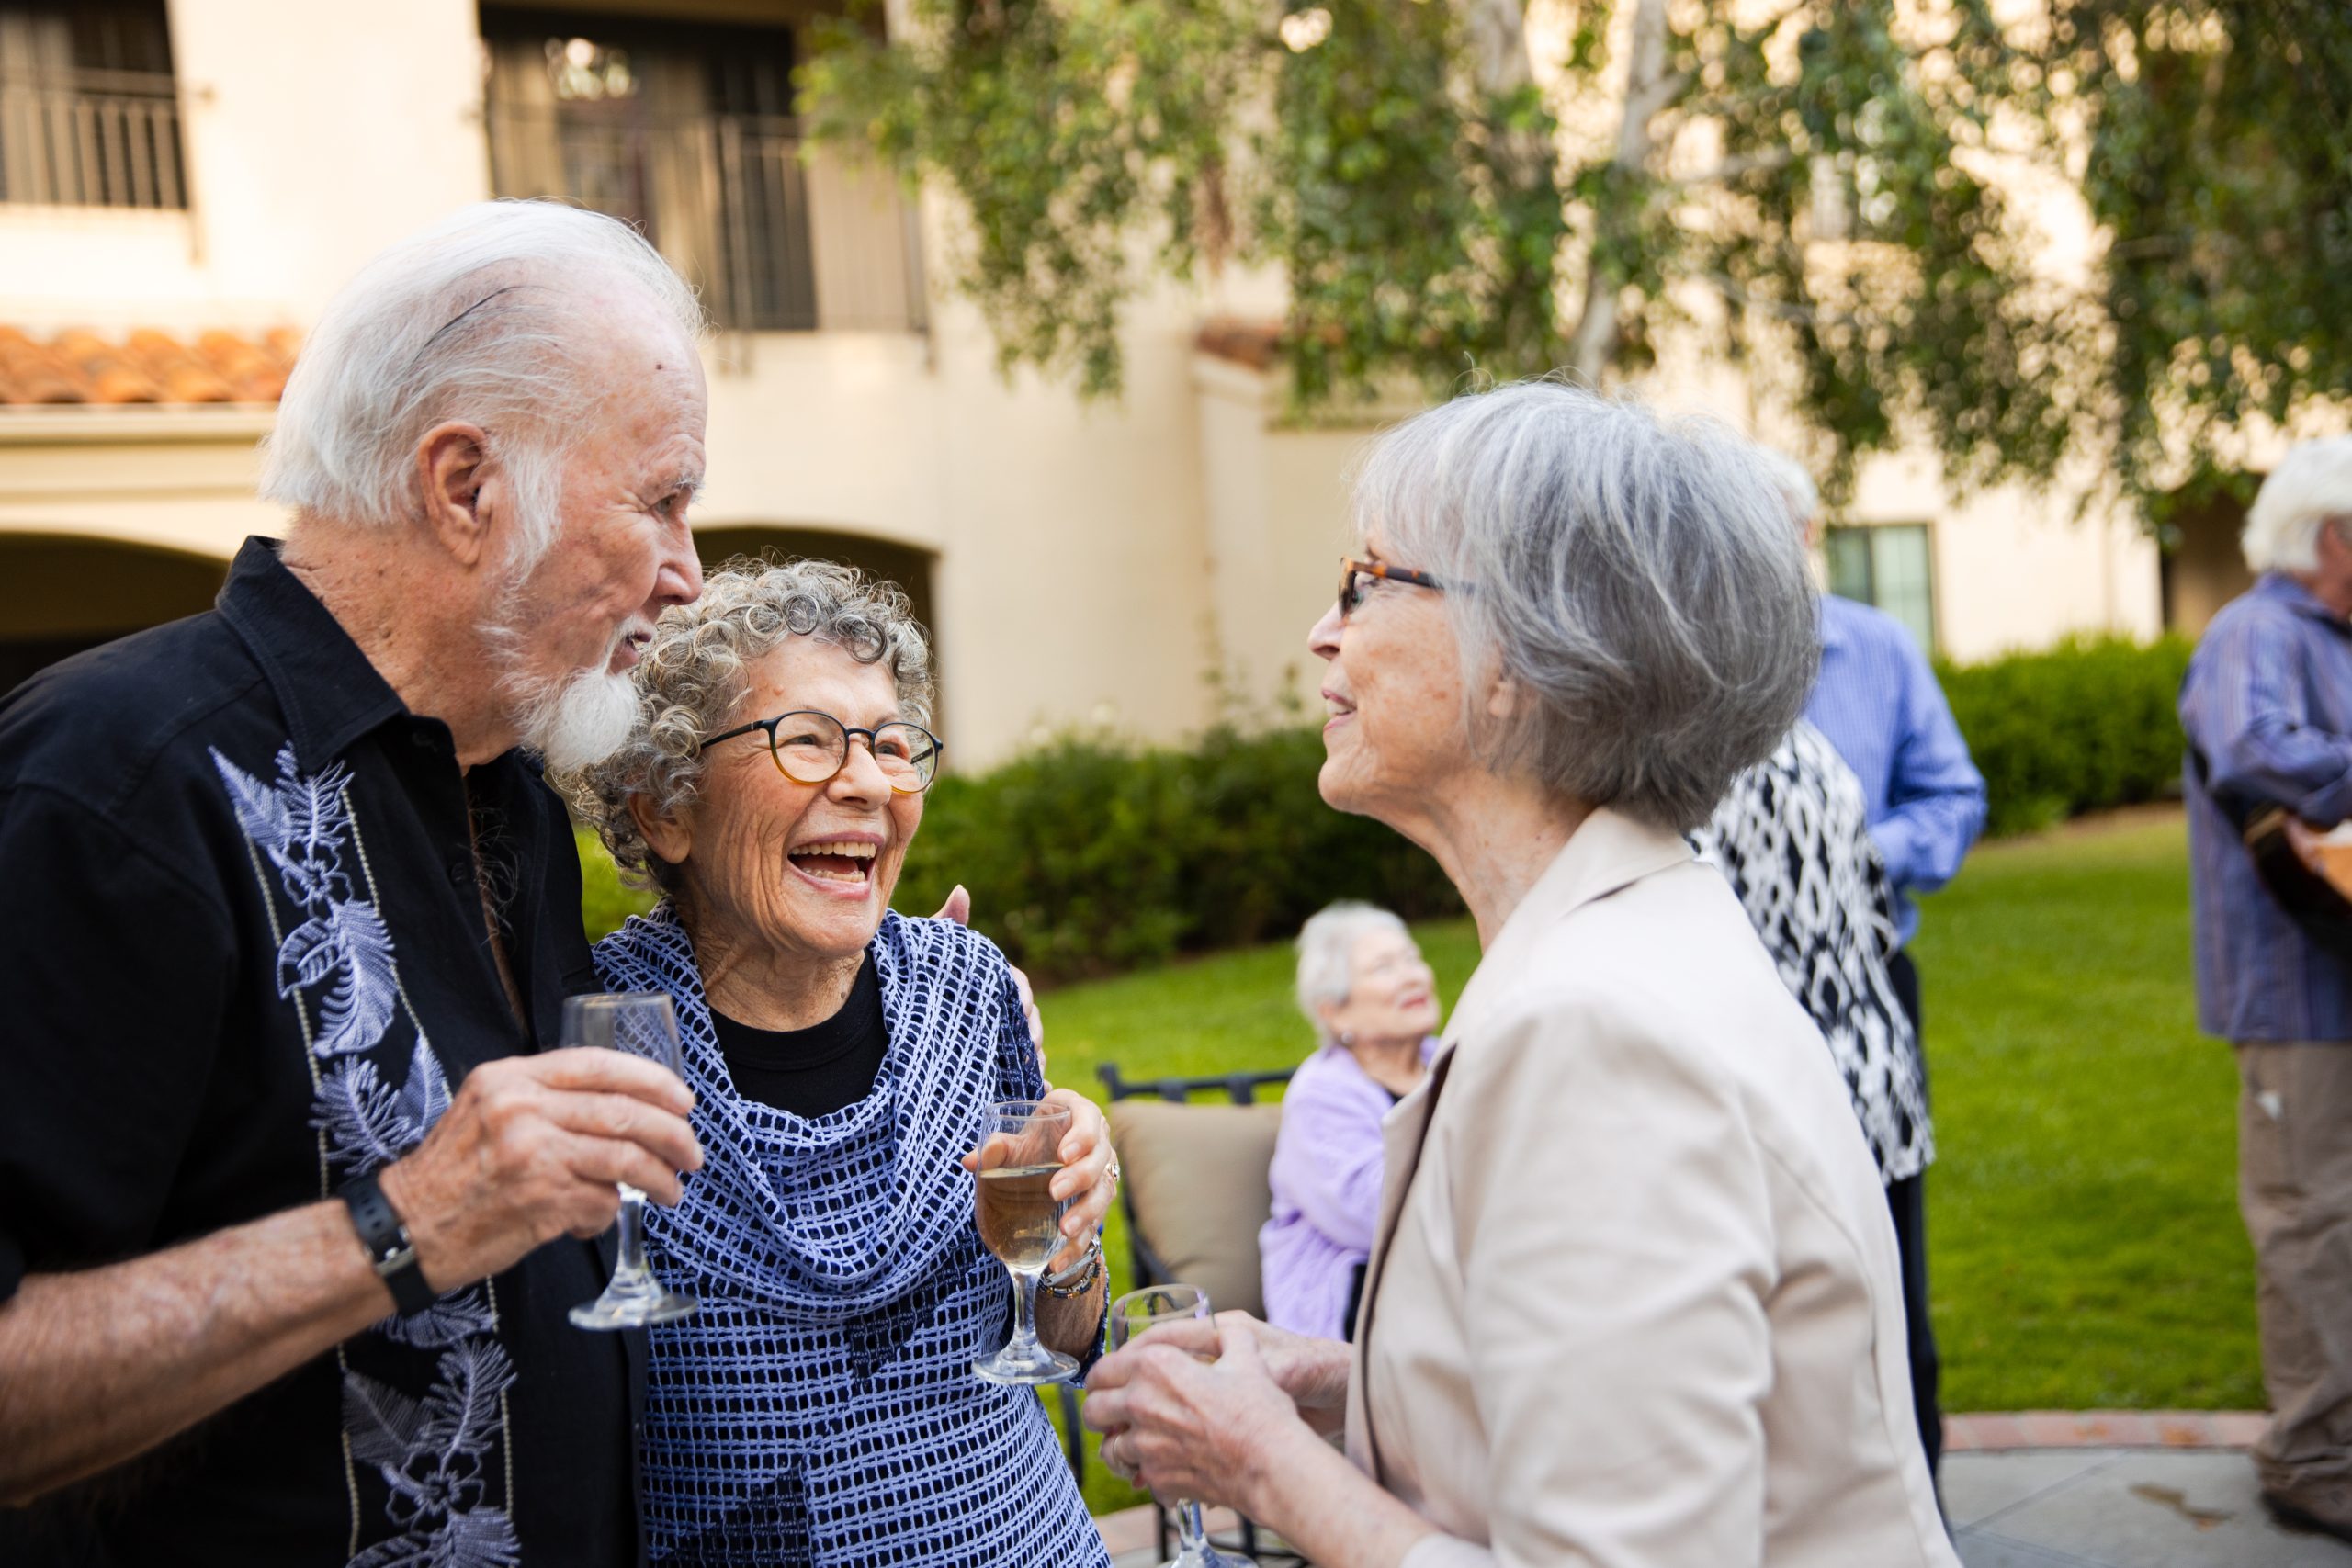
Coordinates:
2267 708
294 1192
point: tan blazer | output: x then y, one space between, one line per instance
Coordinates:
1638 1306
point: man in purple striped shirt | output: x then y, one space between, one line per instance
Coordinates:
2267 708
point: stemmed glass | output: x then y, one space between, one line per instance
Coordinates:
1132 1316
641 1023
1020 1222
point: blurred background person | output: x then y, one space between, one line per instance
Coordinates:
2267 710
1373 1000
1878 702
1794 837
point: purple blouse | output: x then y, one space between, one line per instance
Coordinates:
1326 1180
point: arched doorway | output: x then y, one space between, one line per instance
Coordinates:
905 565
2203 568
67 592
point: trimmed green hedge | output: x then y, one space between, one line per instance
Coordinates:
2083 726
1089 856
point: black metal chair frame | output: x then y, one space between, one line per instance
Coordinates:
1241 1088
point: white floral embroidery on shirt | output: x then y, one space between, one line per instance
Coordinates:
303 825
431 1452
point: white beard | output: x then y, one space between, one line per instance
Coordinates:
572 721
580 720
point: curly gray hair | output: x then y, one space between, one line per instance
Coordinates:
691 681
1637 576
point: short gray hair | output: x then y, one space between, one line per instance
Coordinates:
1797 488
2312 484
691 682
1326 948
1637 577
478 318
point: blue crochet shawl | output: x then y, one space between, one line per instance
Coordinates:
820 1406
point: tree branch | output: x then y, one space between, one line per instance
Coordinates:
1649 89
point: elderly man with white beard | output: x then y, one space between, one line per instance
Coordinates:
295 1188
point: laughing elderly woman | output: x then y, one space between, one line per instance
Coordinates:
1635 1299
821 1406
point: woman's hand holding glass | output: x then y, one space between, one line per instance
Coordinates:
1088 1180
1190 1427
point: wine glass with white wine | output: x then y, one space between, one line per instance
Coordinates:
641 1023
1020 1222
1133 1315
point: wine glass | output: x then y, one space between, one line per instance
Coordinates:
1020 1222
1132 1316
641 1023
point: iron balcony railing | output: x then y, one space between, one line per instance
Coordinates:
777 237
90 139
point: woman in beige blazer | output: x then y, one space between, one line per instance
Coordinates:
1634 1302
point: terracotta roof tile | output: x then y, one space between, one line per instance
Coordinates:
78 365
1255 344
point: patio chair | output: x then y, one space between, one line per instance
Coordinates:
1196 1194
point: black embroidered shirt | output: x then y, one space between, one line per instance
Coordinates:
244 955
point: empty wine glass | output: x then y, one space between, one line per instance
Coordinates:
1132 1316
641 1023
1020 1222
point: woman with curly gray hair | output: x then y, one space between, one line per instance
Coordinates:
1634 1297
820 1405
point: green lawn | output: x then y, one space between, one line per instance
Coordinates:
2084 1232
2083 1223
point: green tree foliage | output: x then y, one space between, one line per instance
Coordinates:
2216 153
1822 187
1437 208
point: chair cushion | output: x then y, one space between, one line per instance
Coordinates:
1198 1176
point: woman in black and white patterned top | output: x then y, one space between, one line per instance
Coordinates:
1793 837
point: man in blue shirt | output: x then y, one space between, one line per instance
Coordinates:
2267 709
1878 702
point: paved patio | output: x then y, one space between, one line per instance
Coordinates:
2120 1509
2064 1490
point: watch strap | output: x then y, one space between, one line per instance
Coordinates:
387 1243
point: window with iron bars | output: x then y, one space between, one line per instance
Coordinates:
688 131
89 110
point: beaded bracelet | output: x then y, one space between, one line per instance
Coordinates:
1079 1277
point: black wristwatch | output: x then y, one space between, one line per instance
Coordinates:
389 1247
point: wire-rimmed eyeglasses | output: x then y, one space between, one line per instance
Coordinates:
1352 591
809 747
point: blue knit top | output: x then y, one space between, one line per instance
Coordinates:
819 1407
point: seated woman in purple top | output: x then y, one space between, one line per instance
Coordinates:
1362 985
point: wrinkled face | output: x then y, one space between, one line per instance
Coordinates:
1392 690
801 869
1392 994
571 629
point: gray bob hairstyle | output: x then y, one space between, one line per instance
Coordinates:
1638 579
479 317
691 684
1327 952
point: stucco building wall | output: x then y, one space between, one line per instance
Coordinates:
1086 563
